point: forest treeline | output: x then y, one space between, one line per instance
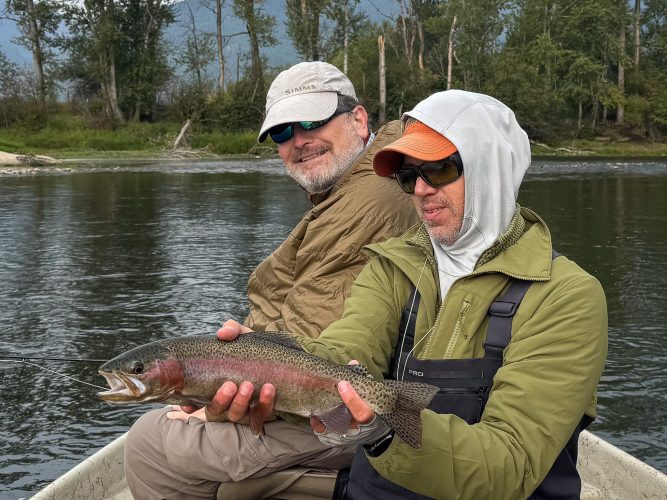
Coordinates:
569 68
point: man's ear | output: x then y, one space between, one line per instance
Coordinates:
360 117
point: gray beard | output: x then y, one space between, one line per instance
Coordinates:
447 239
322 181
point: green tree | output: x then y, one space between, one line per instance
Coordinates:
144 68
260 28
655 39
477 38
115 47
198 52
348 23
37 23
303 26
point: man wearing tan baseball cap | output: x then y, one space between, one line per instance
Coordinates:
307 91
323 137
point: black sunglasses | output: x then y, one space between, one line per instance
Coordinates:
285 131
434 173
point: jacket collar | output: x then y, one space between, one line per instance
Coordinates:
523 251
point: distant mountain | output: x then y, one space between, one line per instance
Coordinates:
281 55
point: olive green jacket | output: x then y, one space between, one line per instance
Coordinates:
302 285
550 369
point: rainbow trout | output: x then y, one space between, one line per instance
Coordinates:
189 371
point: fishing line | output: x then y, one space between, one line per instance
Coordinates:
82 360
23 359
405 330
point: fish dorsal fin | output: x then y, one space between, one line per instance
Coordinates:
360 370
284 339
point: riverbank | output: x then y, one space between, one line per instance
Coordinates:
602 147
143 144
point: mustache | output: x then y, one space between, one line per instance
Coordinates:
300 153
432 201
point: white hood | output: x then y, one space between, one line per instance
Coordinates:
496 154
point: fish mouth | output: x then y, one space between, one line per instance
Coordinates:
124 388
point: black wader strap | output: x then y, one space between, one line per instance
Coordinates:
501 312
406 331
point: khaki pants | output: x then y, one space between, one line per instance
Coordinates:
171 459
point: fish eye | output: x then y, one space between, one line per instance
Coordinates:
137 367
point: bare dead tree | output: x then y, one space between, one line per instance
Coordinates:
382 114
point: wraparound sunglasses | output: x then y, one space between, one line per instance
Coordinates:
285 131
434 173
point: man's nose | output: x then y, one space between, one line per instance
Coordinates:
423 189
301 136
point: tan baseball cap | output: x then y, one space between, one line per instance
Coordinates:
418 141
307 91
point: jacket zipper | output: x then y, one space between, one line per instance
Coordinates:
458 328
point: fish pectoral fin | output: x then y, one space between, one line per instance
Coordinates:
256 419
337 419
196 400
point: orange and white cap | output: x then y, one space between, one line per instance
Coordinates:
418 141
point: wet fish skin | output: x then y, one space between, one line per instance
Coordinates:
189 370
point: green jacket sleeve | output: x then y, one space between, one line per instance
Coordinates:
367 330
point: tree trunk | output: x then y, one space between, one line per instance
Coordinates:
257 73
420 30
36 49
144 69
638 8
306 30
182 134
450 53
408 34
314 35
382 115
221 55
196 67
346 36
111 88
620 110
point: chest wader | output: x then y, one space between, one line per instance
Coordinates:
464 385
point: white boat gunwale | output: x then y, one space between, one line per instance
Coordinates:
608 473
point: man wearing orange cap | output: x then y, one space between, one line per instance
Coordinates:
475 301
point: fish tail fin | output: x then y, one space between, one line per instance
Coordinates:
405 419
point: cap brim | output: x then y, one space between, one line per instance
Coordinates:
425 144
314 106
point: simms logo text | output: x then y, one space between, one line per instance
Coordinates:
300 89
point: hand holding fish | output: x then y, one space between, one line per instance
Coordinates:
231 403
365 426
231 329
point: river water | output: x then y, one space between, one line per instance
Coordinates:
94 260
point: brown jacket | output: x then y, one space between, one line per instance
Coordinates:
301 286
